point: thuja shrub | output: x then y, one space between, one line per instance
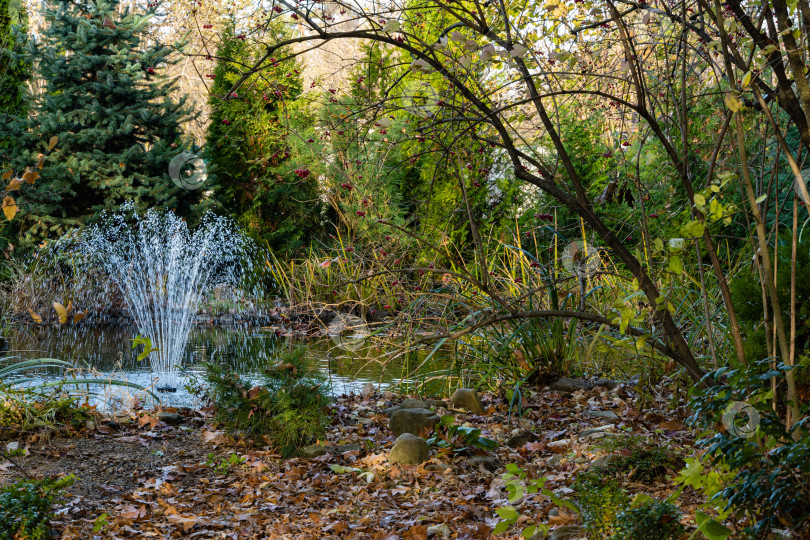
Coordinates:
27 506
653 519
289 405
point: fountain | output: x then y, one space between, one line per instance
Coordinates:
163 269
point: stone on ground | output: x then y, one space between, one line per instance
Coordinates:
312 451
467 400
412 421
170 418
566 384
490 463
409 449
520 440
609 416
606 383
411 403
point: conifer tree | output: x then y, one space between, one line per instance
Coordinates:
249 152
109 105
15 71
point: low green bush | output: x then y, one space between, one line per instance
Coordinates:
642 461
289 405
599 499
26 508
652 519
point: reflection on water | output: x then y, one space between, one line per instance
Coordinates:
109 350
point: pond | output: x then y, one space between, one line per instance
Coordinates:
108 351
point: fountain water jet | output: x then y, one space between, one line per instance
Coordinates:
163 269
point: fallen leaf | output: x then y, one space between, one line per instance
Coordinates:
216 438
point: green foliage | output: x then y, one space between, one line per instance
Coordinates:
25 508
249 145
746 293
710 482
15 71
643 462
517 485
147 346
107 100
599 499
768 464
448 434
225 465
289 406
651 519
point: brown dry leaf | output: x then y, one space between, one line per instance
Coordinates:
30 176
167 490
52 142
563 517
130 512
183 523
41 161
37 319
79 316
215 437
7 175
150 421
417 532
337 527
672 425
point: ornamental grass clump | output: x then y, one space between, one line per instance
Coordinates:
289 406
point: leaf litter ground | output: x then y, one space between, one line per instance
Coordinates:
147 479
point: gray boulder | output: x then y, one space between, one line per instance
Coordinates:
312 451
519 440
412 421
490 463
606 383
467 399
566 384
411 403
170 418
409 450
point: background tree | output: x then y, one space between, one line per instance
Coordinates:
110 107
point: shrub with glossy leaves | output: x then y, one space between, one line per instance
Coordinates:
25 508
652 519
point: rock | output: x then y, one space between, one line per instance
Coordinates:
170 418
436 467
635 379
312 451
566 384
604 461
609 416
341 448
440 529
490 463
438 403
598 430
390 410
567 532
412 421
606 383
368 390
409 450
414 404
467 399
519 440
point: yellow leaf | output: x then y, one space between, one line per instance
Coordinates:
61 311
37 318
79 316
41 161
14 184
30 176
70 306
746 80
9 207
52 142
7 175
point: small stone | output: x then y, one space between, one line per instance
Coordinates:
312 451
389 395
520 440
598 430
414 404
409 450
605 461
368 390
436 467
412 421
635 379
606 383
567 532
440 529
438 403
566 384
341 448
609 416
490 463
170 418
467 399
